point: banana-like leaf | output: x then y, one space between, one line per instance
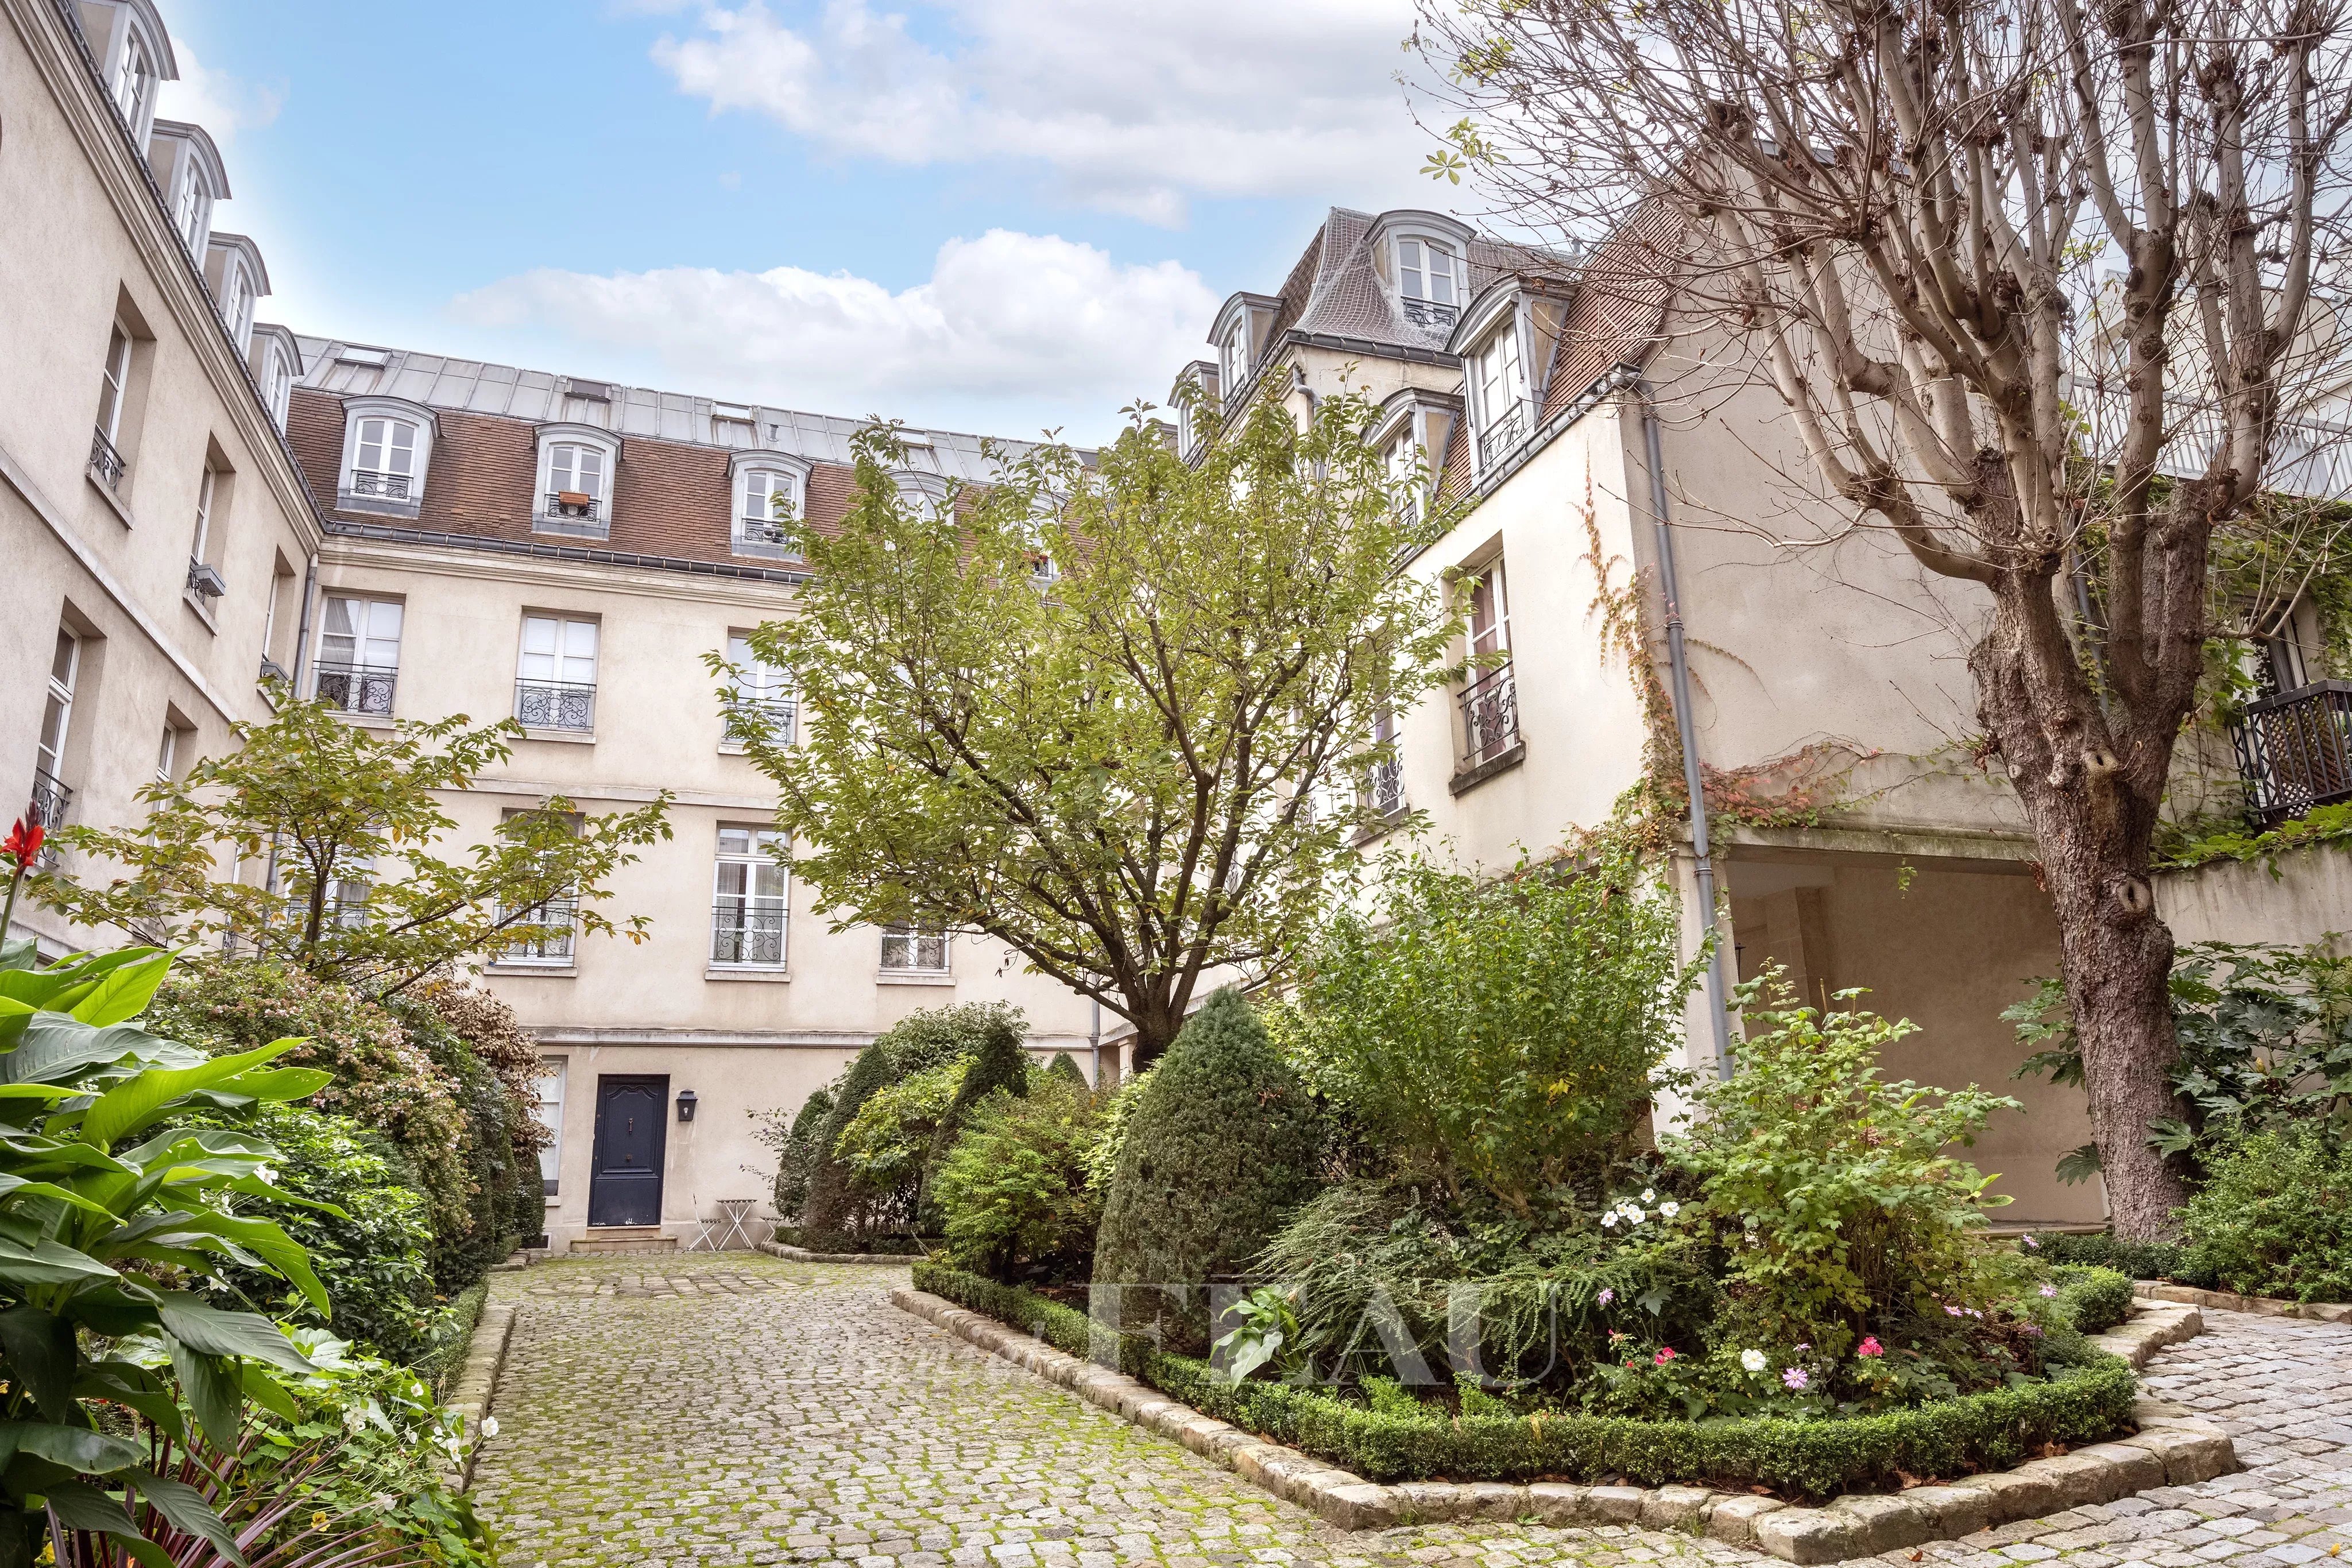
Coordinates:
279 1251
211 1140
118 1311
45 1262
211 1386
58 1048
21 956
261 1387
188 1511
135 1388
76 1505
279 1083
17 1187
121 1111
217 1333
41 1356
124 992
91 1453
34 1151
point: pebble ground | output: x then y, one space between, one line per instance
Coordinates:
735 1409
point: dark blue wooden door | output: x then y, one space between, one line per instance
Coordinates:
632 1128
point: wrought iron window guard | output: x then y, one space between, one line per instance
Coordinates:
1490 716
1384 787
547 930
372 482
1429 313
105 461
1502 434
574 504
2295 750
52 797
555 704
356 688
768 718
748 931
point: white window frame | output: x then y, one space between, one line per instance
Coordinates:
746 473
1498 385
167 754
206 488
114 384
758 855
135 82
1418 279
560 676
191 206
49 745
360 415
594 519
1233 357
761 686
555 950
551 1155
910 939
924 491
360 678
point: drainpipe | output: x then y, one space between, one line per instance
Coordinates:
302 621
1094 1038
1685 726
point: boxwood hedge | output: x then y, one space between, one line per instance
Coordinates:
1796 1458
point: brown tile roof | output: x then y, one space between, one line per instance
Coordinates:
1620 306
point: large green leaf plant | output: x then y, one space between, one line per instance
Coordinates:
107 1212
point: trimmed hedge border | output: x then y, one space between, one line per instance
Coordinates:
2171 1450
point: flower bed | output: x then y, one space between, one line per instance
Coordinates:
1818 1458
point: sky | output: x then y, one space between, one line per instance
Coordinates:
990 215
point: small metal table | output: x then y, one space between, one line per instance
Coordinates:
727 1229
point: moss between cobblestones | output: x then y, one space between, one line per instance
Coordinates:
1807 1459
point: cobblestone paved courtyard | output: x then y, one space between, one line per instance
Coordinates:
738 1409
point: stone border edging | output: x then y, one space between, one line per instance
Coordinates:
2172 1448
796 1255
485 1358
2262 1306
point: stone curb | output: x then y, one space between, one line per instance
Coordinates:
2262 1306
2171 1449
794 1255
485 1358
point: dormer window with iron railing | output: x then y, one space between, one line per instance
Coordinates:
387 447
1498 395
1429 282
770 492
576 467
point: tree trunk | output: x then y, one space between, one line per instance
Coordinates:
2094 815
1155 1031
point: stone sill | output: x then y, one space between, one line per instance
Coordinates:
2171 1449
534 971
106 493
2260 1306
1471 777
561 736
796 1255
767 977
912 977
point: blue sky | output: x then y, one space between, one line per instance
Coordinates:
985 215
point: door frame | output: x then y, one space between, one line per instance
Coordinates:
606 1080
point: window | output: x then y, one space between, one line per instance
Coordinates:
134 83
347 890
555 682
386 462
281 585
1429 277
768 501
758 697
237 302
1405 478
387 455
1501 388
50 793
750 894
551 1116
105 458
914 949
278 386
359 654
192 211
1233 357
204 583
1490 707
1384 781
541 934
925 494
167 756
576 468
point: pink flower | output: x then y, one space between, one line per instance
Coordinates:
2049 1290
1665 1355
1953 1312
1606 1296
1870 1346
1795 1377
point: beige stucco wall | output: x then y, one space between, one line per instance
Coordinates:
84 240
2308 899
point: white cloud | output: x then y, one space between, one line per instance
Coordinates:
1012 331
1133 106
223 104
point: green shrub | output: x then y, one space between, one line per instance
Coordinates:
888 1145
1829 1191
1395 1442
1012 1192
2092 1299
2275 1217
453 1339
1498 1036
835 1201
1067 1069
1221 1144
999 1066
794 1144
2137 1259
1117 1114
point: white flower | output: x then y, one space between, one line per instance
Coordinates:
1635 1215
417 1389
1609 1220
489 1426
264 1173
1648 1195
1753 1359
1670 1209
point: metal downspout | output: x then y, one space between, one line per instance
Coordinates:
302 621
1686 725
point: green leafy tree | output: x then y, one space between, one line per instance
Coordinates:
339 828
1111 716
1012 1191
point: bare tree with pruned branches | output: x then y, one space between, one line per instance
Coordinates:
2040 284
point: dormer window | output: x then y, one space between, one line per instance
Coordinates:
926 494
134 54
577 464
770 498
134 83
187 169
1499 393
1429 278
276 362
233 272
1233 356
387 446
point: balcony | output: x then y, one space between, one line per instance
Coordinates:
555 704
106 465
746 932
1431 314
543 936
365 689
765 538
1504 435
52 797
1384 787
1490 716
761 718
2295 750
379 486
574 512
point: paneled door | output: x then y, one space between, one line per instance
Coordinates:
625 1186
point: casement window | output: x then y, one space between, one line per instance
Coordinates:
359 653
771 494
555 679
1498 382
750 899
192 207
278 386
134 83
1384 781
1233 357
385 461
541 933
576 469
204 583
925 494
167 756
759 699
551 1116
1429 277
347 890
387 455
910 949
106 464
51 795
1405 478
1489 699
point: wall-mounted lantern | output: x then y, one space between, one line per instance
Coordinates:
686 1104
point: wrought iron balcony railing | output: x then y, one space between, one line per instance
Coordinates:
574 504
2295 750
1504 435
544 933
52 797
768 718
573 512
1429 313
747 932
357 688
105 463
1384 787
1490 716
373 482
555 704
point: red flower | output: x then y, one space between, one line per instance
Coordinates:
24 843
1665 1355
1870 1346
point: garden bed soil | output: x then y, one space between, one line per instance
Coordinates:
2262 1306
2169 1448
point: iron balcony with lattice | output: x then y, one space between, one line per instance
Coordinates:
762 718
1384 787
746 932
1504 435
544 934
372 482
555 704
1490 716
2295 750
52 797
357 688
574 512
106 465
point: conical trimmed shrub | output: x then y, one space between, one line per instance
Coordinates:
1064 1067
1224 1145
